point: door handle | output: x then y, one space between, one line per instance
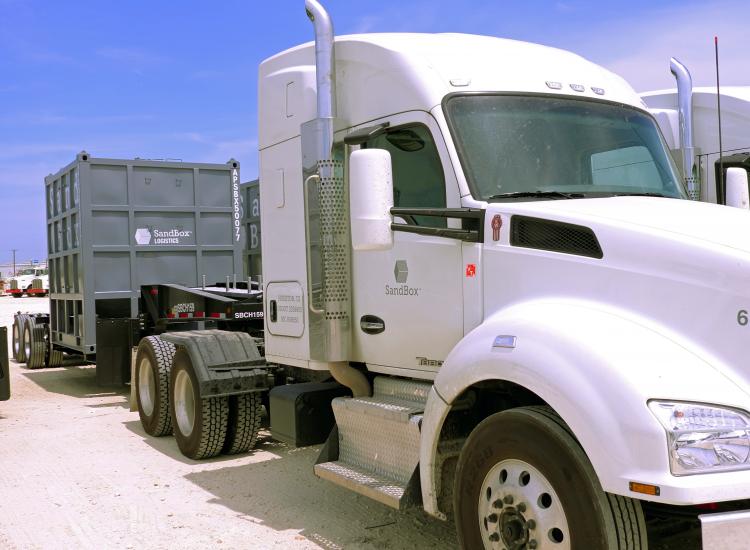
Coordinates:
371 324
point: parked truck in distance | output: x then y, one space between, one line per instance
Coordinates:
33 281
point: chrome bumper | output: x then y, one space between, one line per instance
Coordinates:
725 531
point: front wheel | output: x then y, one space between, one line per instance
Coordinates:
524 482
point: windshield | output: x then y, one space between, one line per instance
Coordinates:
32 271
515 147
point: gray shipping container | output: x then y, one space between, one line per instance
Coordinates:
251 221
114 225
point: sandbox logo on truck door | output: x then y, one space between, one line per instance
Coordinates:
401 275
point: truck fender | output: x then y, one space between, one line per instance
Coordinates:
597 367
225 362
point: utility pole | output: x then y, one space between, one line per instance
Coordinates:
14 262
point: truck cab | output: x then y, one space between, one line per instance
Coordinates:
490 244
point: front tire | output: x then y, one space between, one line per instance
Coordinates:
523 477
200 424
153 362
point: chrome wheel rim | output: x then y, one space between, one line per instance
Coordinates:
519 510
184 403
146 386
27 342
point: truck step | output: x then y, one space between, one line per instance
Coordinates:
377 487
378 441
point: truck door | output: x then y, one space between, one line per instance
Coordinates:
407 301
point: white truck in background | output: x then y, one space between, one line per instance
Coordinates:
33 281
489 244
689 121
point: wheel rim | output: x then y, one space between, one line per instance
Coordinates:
16 340
184 403
519 509
27 342
146 386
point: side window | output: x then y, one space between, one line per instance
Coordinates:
629 166
418 180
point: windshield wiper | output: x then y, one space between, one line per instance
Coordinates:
540 194
636 194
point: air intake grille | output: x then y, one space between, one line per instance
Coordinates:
554 236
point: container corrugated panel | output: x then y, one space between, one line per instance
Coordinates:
114 225
251 221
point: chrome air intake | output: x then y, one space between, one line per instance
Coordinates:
685 111
326 208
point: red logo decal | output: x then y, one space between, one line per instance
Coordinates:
471 270
497 223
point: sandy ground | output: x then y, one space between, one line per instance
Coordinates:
78 471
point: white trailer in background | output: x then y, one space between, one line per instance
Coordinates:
701 125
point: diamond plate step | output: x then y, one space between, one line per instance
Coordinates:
378 441
398 388
376 487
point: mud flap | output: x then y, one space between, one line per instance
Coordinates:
225 363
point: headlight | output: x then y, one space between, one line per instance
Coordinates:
704 438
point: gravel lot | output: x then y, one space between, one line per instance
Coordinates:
77 471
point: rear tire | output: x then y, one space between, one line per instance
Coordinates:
34 344
18 332
245 413
55 357
153 361
200 424
524 471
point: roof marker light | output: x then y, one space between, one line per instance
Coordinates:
577 87
554 85
597 91
459 82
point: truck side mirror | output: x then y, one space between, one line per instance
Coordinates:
371 199
737 188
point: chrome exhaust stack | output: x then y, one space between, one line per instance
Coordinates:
325 64
685 111
326 210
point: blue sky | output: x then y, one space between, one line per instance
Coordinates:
169 79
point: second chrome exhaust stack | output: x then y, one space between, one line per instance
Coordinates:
685 112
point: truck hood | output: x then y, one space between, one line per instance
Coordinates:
714 224
680 267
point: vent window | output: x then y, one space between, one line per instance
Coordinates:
554 236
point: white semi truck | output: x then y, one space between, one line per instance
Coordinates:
33 281
488 243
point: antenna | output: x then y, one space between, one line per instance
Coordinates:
718 114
